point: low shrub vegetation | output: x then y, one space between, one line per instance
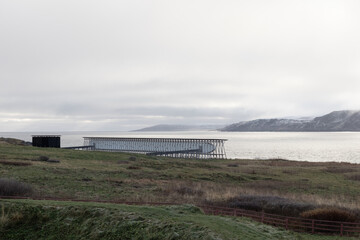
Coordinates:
233 165
11 187
268 204
14 141
354 177
42 158
340 169
133 167
3 162
330 214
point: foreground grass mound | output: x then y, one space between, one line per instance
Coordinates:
27 219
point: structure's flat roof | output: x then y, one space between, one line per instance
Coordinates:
149 138
46 135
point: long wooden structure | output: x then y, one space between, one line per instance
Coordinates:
171 147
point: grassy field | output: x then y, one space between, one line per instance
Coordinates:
132 177
28 219
121 176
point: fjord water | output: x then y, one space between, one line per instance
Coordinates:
303 146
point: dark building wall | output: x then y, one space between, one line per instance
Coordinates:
46 141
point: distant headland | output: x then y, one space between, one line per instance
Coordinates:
173 127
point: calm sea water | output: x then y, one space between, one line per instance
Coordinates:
323 146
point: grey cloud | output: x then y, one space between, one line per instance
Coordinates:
146 62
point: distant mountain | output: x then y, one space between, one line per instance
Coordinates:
265 125
334 121
170 127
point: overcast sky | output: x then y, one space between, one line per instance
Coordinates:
120 65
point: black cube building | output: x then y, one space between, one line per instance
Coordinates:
52 141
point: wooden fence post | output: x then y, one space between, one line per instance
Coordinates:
262 217
286 223
341 229
313 227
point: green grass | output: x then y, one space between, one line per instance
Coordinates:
29 219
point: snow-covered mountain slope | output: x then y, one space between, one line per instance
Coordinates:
334 121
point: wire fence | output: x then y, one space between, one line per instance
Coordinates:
297 224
